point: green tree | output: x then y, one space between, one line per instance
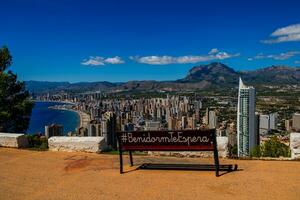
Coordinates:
256 152
15 103
274 148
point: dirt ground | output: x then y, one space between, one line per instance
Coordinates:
34 175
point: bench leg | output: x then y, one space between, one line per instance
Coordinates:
121 161
216 156
217 166
131 160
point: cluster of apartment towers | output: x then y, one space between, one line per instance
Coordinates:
247 122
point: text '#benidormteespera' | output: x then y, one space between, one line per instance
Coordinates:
172 137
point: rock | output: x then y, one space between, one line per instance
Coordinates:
222 143
15 140
73 144
295 145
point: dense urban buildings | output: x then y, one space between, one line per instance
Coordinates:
172 112
103 113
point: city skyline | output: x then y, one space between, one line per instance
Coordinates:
119 41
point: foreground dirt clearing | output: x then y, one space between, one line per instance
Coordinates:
58 175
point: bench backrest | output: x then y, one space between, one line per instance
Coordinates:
183 140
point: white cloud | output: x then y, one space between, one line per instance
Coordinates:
97 60
114 60
214 54
281 56
288 30
284 34
213 51
93 61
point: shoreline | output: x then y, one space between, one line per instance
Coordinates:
49 101
84 118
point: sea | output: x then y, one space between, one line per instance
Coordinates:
42 115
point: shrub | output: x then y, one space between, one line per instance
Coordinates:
274 148
271 148
37 142
232 151
256 152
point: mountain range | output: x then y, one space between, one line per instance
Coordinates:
200 77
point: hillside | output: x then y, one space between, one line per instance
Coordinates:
213 75
274 75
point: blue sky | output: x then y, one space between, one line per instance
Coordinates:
115 41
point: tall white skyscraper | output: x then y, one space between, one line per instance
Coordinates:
247 137
212 119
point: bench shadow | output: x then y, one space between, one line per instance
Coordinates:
227 172
223 169
131 170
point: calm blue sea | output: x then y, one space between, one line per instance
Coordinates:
42 116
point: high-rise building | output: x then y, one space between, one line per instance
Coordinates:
94 128
273 121
267 123
108 129
192 122
152 125
54 130
205 118
264 124
198 106
171 123
296 121
247 135
128 127
183 122
288 124
212 119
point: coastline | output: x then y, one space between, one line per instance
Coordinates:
65 102
84 118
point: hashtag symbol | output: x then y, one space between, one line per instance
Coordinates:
124 138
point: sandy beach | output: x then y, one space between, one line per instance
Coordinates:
30 175
84 118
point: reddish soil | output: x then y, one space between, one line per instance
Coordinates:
30 175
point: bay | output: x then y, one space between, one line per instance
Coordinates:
42 116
